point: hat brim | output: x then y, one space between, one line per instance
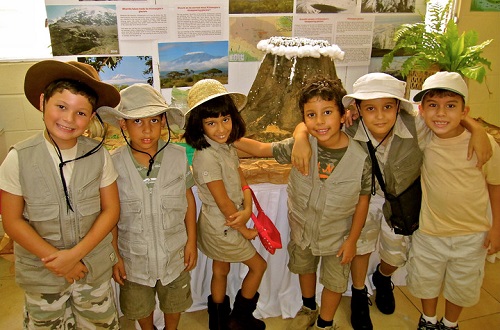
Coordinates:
349 98
112 116
41 74
240 100
420 95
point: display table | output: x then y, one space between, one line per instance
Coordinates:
279 289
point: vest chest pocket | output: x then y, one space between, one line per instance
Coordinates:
299 188
45 220
173 211
406 170
131 217
341 199
88 211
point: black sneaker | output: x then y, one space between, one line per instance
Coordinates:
426 325
360 311
384 299
444 327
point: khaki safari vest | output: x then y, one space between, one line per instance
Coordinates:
151 230
46 211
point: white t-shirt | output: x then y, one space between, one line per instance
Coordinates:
455 198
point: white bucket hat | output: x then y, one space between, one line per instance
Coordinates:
378 85
451 81
208 89
140 101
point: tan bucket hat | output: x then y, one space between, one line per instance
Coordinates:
208 89
378 85
140 101
41 74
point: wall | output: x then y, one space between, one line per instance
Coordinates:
484 103
18 118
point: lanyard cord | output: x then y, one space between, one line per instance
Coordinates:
64 162
151 158
376 172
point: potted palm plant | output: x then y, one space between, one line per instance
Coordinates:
436 44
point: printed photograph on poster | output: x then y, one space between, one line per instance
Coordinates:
260 7
326 6
485 5
182 64
81 30
387 6
122 71
384 29
246 32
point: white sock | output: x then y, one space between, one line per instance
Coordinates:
432 319
449 324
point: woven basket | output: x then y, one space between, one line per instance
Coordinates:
415 79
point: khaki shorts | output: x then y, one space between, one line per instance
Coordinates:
393 248
455 264
333 275
89 307
138 301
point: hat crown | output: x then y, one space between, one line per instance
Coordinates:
204 90
380 83
446 80
451 81
86 68
140 96
207 89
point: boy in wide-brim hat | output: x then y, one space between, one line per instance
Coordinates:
158 209
61 201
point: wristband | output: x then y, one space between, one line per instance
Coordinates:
245 188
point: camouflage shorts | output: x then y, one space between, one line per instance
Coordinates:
80 306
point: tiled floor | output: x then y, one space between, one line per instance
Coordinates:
485 315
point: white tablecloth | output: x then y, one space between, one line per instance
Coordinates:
279 290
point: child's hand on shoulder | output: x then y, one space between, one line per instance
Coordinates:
350 117
119 273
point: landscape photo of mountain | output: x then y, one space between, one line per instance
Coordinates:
83 30
182 64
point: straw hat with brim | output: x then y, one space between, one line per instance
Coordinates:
208 89
140 101
450 81
376 86
41 74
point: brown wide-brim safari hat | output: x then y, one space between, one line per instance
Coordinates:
41 74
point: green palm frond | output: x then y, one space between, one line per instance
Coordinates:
439 43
